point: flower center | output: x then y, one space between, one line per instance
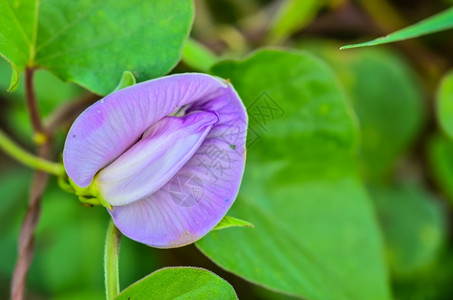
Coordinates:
163 150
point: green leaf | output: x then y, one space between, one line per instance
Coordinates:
292 16
389 122
227 222
197 56
438 22
93 42
440 156
126 80
445 104
414 226
179 283
315 233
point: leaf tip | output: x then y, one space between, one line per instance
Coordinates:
228 221
346 47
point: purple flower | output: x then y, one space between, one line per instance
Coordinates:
167 155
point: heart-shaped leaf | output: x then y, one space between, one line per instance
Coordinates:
315 233
93 42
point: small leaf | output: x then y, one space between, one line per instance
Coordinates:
228 221
445 104
438 22
126 80
179 283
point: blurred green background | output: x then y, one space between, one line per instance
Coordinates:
390 149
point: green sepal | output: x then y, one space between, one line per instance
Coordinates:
63 183
89 195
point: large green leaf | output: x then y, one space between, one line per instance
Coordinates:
179 283
93 42
438 22
389 122
315 234
414 226
445 104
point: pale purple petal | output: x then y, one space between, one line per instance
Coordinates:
112 125
154 160
200 194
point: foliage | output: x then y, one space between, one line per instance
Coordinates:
347 191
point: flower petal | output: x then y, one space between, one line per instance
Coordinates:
200 194
155 159
111 125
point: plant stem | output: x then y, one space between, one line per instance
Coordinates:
26 245
33 111
28 159
111 259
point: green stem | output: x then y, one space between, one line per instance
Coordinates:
111 259
32 104
16 152
197 56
